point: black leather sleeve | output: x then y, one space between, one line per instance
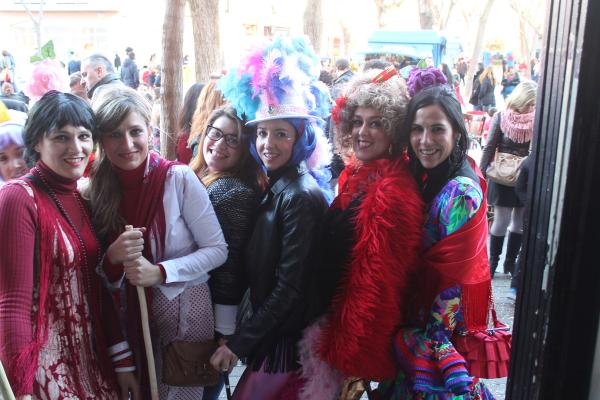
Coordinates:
299 223
235 210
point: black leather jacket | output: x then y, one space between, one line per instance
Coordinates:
279 262
498 140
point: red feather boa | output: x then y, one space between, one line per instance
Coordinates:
372 301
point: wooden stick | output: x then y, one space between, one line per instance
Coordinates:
5 390
147 339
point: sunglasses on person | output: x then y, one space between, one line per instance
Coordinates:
216 134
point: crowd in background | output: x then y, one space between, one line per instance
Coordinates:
327 227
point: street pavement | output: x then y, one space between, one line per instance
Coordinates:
504 307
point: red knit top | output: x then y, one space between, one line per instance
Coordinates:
19 226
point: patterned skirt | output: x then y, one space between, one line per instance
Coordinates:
187 317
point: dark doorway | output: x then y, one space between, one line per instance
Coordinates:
557 314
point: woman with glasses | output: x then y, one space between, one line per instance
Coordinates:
234 182
176 240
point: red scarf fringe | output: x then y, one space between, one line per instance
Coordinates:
450 262
26 363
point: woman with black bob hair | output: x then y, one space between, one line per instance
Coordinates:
452 290
53 340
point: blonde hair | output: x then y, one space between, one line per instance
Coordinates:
488 72
522 97
210 98
111 108
245 168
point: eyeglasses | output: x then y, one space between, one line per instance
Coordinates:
216 134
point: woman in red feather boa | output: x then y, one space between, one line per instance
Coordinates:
371 238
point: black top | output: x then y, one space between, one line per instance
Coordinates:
235 203
437 178
106 79
279 263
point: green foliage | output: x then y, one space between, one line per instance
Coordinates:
47 51
422 63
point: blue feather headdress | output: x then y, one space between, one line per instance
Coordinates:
279 80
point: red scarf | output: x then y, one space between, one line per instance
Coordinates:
147 210
461 259
56 260
372 299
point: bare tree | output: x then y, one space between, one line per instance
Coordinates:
527 20
383 6
313 23
478 45
37 23
347 36
207 48
444 20
171 76
428 14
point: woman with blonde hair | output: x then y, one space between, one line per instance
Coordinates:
210 99
176 240
487 85
510 132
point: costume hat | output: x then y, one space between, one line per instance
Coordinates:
277 80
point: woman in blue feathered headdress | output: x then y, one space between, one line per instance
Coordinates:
276 88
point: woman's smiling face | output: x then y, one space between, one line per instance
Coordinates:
127 145
275 141
432 137
370 140
222 148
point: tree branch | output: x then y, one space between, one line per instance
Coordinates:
526 17
444 21
29 11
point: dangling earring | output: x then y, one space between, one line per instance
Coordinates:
391 149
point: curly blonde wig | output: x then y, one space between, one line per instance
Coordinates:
390 98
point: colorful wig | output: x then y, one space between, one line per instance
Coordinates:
280 80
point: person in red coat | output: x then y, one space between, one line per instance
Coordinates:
370 243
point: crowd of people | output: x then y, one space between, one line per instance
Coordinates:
329 232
